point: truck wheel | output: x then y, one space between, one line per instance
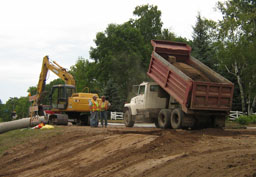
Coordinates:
156 123
128 121
164 119
176 118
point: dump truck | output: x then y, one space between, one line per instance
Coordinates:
184 93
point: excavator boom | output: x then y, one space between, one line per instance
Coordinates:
56 69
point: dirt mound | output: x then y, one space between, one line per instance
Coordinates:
117 151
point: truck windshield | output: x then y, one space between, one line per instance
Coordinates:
142 90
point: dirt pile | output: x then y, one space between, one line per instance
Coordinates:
85 151
191 72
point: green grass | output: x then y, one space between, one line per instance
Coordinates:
233 125
237 125
15 137
115 121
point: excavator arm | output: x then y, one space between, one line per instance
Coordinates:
56 69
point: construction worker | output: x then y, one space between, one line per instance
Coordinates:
94 110
104 105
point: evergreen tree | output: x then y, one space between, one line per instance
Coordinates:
201 47
168 35
112 95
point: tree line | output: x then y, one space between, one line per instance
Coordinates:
122 54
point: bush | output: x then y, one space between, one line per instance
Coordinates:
245 120
253 119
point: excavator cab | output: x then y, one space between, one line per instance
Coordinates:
59 96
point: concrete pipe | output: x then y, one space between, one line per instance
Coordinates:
37 120
15 124
21 123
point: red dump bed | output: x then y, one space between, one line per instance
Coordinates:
194 85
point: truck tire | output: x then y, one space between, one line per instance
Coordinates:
176 118
164 119
156 123
128 120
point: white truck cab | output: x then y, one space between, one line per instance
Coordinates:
146 105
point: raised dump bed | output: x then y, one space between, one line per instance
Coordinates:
191 83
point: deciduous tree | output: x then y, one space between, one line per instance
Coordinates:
237 35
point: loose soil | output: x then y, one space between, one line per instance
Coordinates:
191 72
119 151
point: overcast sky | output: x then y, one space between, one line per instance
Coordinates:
65 30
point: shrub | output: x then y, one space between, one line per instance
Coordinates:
245 120
252 119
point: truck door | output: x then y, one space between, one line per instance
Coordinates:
140 99
152 98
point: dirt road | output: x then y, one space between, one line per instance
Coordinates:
119 151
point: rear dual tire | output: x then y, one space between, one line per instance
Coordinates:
176 118
170 119
163 120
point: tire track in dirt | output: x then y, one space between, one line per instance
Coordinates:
84 151
211 160
127 161
208 164
138 168
47 155
115 149
77 154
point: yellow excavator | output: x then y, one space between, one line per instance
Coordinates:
65 104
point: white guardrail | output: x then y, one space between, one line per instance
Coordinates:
232 116
117 115
235 114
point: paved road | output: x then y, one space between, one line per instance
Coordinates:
145 125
